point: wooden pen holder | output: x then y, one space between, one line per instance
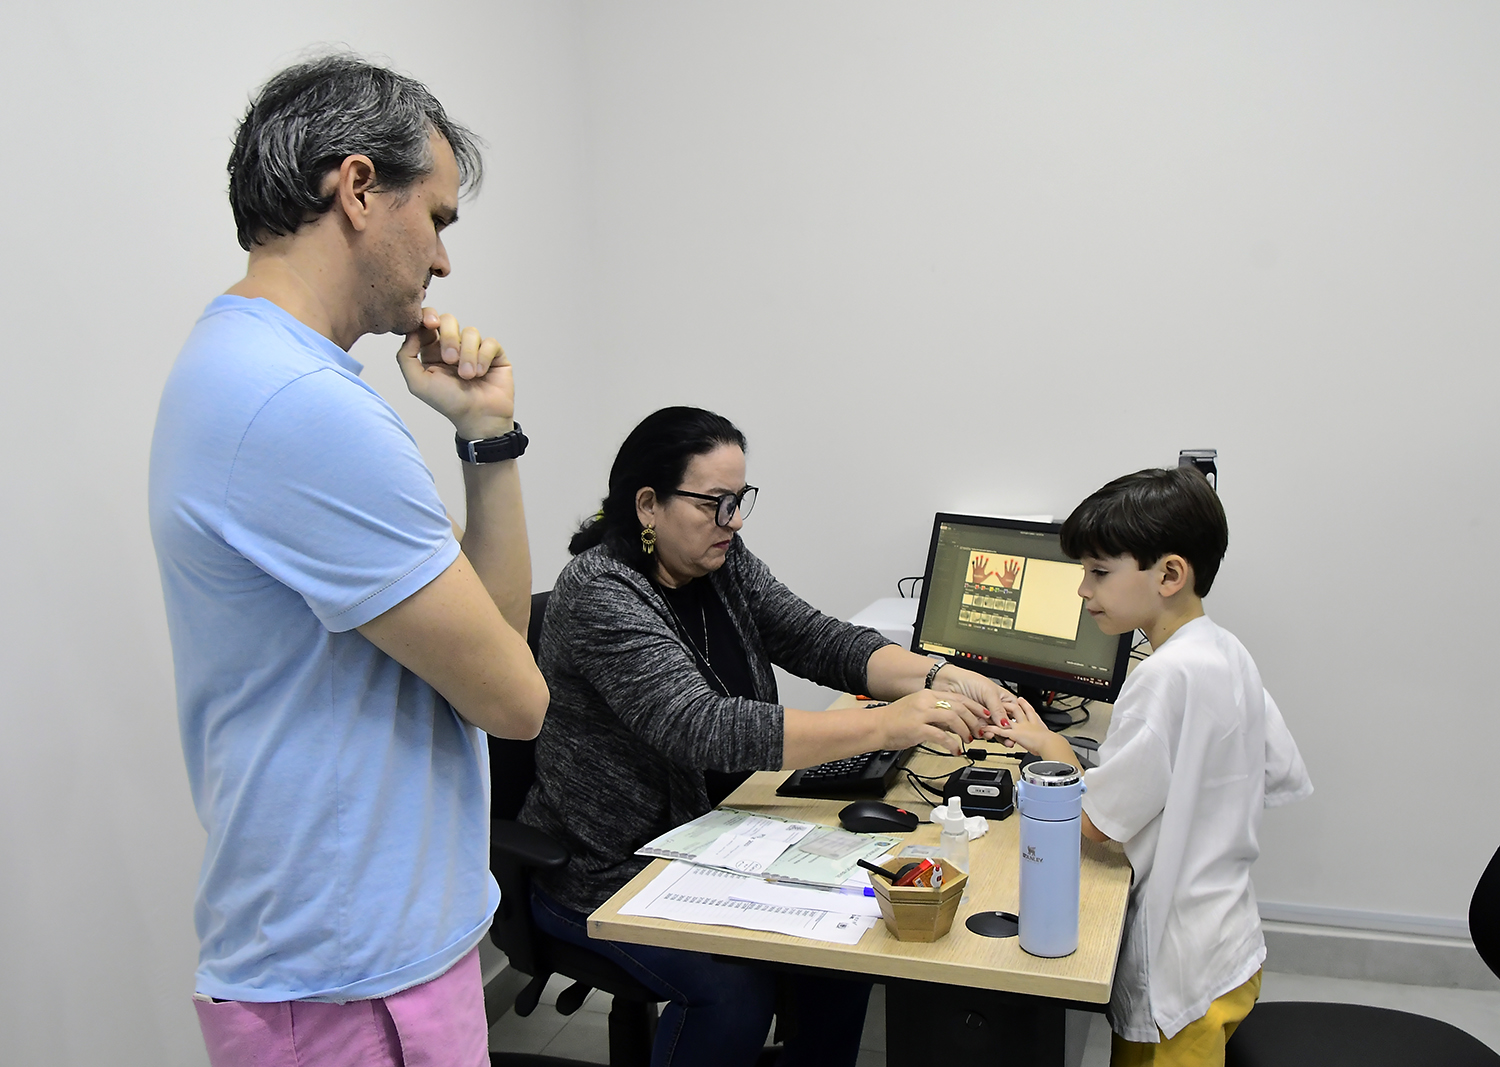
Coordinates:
918 913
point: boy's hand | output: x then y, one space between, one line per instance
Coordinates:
1027 729
997 700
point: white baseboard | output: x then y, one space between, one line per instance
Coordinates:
1354 919
1373 946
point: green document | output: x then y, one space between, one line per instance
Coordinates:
691 839
830 856
826 856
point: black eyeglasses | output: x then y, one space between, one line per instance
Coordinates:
729 503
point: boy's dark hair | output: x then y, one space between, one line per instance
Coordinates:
1150 514
655 454
307 119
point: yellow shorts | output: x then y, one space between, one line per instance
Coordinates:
1198 1044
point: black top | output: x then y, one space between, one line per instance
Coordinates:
633 720
704 622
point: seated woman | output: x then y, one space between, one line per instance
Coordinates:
657 647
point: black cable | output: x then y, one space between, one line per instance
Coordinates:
1087 751
944 752
1082 705
915 779
913 579
926 777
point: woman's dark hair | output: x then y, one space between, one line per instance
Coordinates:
655 454
1150 514
306 120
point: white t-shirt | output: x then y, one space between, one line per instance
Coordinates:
1196 749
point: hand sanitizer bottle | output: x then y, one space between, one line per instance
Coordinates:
953 844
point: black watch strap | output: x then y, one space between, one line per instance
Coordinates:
492 449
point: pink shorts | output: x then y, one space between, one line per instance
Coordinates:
436 1024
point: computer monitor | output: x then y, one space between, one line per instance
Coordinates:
1001 598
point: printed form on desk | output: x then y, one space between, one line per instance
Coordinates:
754 845
763 872
685 892
781 850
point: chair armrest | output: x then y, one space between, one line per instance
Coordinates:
526 846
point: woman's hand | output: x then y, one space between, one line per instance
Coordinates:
1000 701
948 720
1026 728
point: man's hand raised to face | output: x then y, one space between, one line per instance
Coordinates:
462 632
464 377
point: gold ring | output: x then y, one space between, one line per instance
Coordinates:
942 704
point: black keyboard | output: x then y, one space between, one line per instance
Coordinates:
868 775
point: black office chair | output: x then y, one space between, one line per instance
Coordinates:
515 851
1291 1033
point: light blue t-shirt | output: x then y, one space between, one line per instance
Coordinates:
346 804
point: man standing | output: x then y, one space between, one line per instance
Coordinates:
337 650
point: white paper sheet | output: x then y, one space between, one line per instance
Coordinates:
783 895
753 845
689 893
816 856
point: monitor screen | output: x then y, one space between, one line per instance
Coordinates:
1000 597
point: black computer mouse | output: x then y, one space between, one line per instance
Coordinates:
877 817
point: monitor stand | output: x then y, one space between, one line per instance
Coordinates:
1056 719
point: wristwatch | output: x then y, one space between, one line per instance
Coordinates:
492 449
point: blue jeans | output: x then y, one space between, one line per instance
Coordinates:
719 1012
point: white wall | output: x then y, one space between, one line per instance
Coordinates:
960 256
943 257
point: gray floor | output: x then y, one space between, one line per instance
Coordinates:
584 1035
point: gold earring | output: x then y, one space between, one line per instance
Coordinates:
648 539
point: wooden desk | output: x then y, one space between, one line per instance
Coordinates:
963 974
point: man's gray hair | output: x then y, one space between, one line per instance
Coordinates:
306 120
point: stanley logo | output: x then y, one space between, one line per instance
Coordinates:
1030 854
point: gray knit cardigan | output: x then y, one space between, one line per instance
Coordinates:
633 723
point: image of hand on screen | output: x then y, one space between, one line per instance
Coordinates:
1005 573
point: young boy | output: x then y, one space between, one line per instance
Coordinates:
1196 748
